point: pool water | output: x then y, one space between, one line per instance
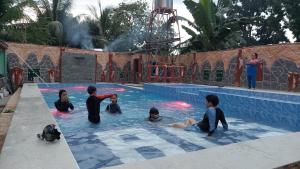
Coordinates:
128 137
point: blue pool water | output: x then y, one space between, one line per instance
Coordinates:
128 137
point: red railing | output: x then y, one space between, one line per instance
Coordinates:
164 73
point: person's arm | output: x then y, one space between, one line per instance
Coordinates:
105 96
71 106
222 118
118 108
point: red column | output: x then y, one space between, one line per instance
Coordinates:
165 72
239 69
172 69
156 73
140 69
259 72
60 59
96 66
194 68
149 72
110 55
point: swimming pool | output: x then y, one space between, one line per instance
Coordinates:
128 137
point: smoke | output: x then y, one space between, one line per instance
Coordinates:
77 33
134 39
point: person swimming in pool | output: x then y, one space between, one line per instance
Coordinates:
113 107
93 104
154 115
63 104
210 121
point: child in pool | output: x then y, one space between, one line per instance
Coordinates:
211 118
93 104
154 115
63 104
113 107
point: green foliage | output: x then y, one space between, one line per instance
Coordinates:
211 30
56 29
267 28
119 29
11 10
292 12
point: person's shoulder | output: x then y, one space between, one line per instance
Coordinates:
218 109
211 110
57 101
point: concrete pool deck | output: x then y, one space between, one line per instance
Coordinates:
266 153
22 150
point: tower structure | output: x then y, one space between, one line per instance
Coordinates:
163 32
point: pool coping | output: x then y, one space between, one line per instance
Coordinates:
22 149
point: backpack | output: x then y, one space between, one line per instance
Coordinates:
50 133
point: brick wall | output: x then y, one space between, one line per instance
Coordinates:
278 60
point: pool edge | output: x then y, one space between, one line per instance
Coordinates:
22 149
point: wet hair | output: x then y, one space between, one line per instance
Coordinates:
156 118
154 110
61 92
213 99
115 95
91 89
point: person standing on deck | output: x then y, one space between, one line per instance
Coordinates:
252 71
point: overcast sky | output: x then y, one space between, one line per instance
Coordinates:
81 7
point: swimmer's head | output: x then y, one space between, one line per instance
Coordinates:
91 90
114 98
153 114
63 95
211 101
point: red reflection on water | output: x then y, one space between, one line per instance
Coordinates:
78 88
112 89
177 105
82 88
48 90
120 90
57 113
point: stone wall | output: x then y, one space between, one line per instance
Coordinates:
278 61
77 67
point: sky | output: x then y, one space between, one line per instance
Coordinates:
81 7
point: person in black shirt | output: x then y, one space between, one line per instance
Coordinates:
113 107
210 120
63 104
93 104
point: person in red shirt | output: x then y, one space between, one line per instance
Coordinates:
93 104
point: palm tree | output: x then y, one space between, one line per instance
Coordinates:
99 24
55 13
211 30
11 10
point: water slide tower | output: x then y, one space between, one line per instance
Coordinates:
163 30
